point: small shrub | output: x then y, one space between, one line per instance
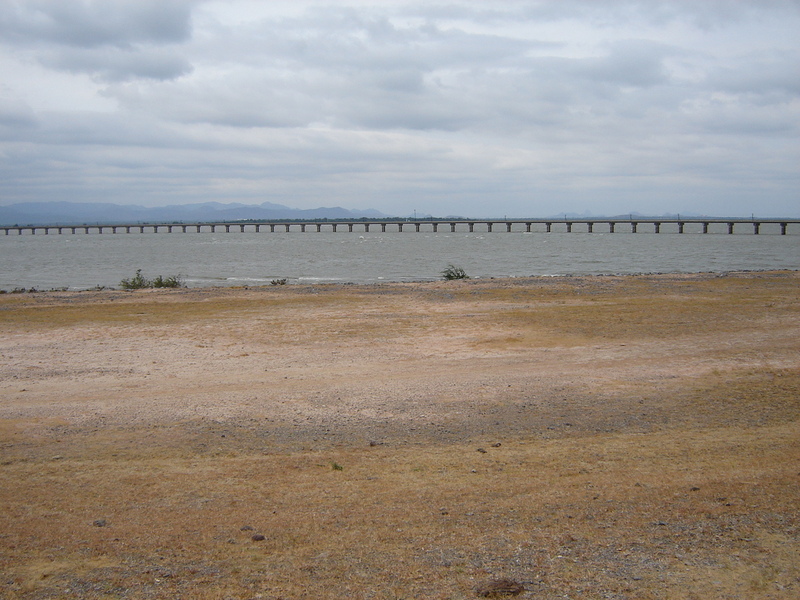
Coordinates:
336 466
454 272
139 281
173 281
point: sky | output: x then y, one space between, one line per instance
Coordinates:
471 108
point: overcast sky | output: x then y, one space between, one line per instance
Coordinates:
474 108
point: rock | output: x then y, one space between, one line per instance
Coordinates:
258 538
245 528
100 523
481 450
499 587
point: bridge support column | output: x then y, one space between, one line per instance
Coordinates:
589 227
417 226
528 227
489 227
366 227
319 227
258 227
198 228
383 227
227 228
680 227
705 226
508 226
657 227
350 227
633 227
287 227
569 227
549 227
611 226
86 230
471 227
435 227
756 227
730 228
399 227
783 228
452 227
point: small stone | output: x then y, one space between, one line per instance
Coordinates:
258 538
496 445
481 450
499 587
695 489
245 528
100 523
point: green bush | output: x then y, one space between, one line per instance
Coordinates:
139 281
453 272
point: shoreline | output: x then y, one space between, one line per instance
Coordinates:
496 280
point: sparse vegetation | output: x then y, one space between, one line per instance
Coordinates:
139 281
278 281
454 272
658 460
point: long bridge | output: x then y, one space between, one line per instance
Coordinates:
547 225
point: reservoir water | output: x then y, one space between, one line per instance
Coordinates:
83 261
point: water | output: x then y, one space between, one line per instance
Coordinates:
81 261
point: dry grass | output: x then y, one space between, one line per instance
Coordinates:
521 429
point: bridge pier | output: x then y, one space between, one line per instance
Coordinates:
319 227
383 227
399 227
657 226
452 227
366 227
417 226
705 226
489 227
508 226
730 228
528 227
549 227
198 228
633 226
589 227
287 227
611 226
680 227
783 228
756 227
350 227
569 227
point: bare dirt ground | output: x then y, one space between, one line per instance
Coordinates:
601 437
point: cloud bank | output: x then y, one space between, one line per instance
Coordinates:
461 107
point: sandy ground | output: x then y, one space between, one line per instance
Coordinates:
404 362
290 369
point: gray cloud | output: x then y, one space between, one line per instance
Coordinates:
459 107
96 23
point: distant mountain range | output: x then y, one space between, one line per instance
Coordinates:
79 213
